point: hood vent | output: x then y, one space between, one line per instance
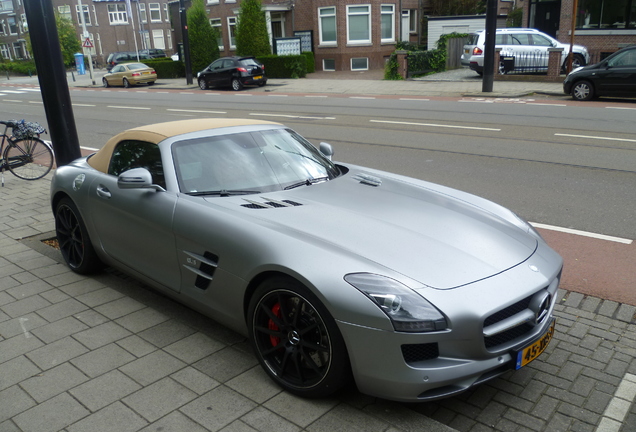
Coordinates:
367 179
269 203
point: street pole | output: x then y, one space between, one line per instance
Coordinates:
52 78
574 8
489 48
84 37
186 41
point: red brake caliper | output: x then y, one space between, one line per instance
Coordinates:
272 325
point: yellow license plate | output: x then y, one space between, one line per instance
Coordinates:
533 351
466 51
258 77
145 73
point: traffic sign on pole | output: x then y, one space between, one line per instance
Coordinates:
87 43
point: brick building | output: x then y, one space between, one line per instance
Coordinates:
603 26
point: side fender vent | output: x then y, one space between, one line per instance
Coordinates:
269 204
203 266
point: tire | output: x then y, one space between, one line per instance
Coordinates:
151 83
126 83
105 82
583 91
286 322
29 158
236 84
202 84
262 84
75 245
577 61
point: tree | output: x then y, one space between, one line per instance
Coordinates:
69 42
204 48
251 30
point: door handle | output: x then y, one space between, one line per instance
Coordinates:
103 191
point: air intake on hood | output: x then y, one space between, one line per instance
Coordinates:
269 203
367 179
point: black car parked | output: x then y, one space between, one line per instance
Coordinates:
124 57
614 76
234 72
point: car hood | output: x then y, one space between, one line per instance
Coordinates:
423 233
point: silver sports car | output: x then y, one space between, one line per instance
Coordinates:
333 271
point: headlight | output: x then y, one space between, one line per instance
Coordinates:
407 310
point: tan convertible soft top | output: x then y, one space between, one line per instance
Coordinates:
155 133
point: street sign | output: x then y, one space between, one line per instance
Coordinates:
87 43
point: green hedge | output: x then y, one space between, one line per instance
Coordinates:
311 61
166 68
26 67
292 66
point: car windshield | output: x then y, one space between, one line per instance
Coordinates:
251 162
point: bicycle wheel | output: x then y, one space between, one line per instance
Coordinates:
29 158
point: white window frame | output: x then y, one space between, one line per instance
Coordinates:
231 27
213 2
359 58
15 21
117 14
327 14
158 39
65 12
5 51
355 11
217 23
324 67
87 15
24 26
3 30
143 15
153 9
387 9
95 15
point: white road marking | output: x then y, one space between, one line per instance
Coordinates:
361 97
316 96
186 93
621 108
36 102
30 89
582 233
596 137
277 95
544 104
13 91
196 111
414 99
292 116
435 125
619 406
10 100
24 330
127 107
83 105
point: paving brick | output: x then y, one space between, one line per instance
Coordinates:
115 417
574 299
119 308
608 308
101 335
16 370
178 422
525 420
56 353
218 408
142 319
91 318
194 347
166 333
18 345
99 297
14 401
159 399
54 296
102 360
104 390
152 367
25 306
21 325
53 382
51 416
136 346
59 329
225 364
626 313
61 310
583 386
200 383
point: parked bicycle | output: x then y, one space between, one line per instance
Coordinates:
23 152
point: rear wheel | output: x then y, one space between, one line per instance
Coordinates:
29 158
126 83
583 91
296 340
236 84
75 245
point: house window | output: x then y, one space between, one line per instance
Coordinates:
155 12
24 26
4 52
65 12
216 23
605 14
409 20
13 26
360 63
95 16
359 24
278 24
327 25
3 31
145 38
6 5
157 39
231 25
87 15
165 12
143 16
18 50
329 64
213 1
387 27
117 14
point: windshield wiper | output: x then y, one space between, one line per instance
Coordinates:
223 192
307 182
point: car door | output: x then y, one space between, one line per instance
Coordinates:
520 46
135 225
541 45
227 72
618 75
213 75
117 77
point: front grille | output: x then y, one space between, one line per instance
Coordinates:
502 338
414 353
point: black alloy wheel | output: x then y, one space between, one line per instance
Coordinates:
296 340
73 239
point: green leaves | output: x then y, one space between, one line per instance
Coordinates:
204 48
252 38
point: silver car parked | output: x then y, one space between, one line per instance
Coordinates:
333 271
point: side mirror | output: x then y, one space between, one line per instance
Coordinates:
137 178
326 150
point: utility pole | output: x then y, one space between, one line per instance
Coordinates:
489 48
47 54
186 41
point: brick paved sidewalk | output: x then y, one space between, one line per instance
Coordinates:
104 353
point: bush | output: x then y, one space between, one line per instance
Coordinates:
291 66
166 68
26 67
311 61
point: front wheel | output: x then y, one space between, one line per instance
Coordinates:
202 84
577 61
296 340
29 158
75 245
105 82
236 84
583 91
